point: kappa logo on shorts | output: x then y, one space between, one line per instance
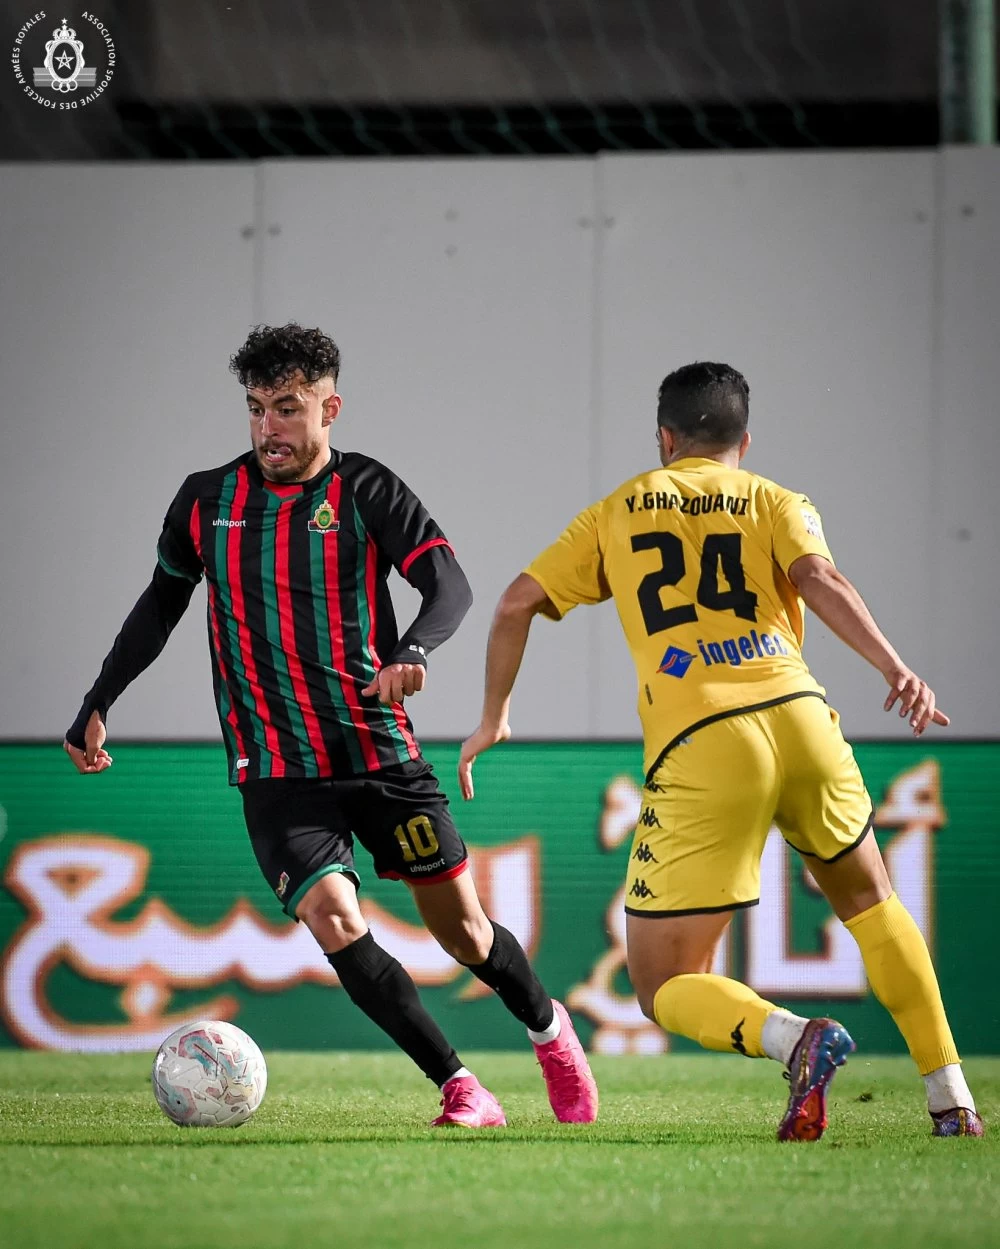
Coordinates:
641 890
282 885
648 818
643 854
736 1036
675 662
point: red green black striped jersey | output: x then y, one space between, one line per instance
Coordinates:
299 610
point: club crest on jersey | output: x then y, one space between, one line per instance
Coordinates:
675 662
282 885
324 519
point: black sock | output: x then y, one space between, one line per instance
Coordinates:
384 990
509 974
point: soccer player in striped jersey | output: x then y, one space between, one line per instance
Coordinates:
296 542
709 566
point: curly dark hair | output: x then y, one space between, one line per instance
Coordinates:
705 403
272 353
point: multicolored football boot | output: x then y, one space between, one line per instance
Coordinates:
957 1122
468 1105
823 1047
571 1086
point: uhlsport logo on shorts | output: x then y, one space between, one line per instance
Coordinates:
68 69
675 662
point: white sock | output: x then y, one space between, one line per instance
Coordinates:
946 1089
780 1034
550 1033
462 1073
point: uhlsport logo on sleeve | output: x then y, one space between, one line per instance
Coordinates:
74 69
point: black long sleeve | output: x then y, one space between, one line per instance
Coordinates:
143 635
447 596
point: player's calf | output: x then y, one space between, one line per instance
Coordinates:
568 1079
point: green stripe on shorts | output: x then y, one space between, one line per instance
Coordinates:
291 906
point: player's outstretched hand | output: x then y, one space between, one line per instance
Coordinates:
916 699
95 758
395 682
472 748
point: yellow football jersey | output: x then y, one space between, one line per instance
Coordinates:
696 557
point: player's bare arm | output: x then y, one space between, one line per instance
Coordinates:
523 599
838 604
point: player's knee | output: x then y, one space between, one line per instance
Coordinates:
332 929
646 989
646 999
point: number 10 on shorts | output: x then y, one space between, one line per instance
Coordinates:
417 839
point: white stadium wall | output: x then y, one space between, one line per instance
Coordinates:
504 326
123 289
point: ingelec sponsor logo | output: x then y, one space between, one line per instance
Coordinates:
732 651
735 651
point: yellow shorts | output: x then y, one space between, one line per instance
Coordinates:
707 810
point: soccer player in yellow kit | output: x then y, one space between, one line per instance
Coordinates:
709 566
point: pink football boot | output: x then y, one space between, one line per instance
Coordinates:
468 1105
571 1086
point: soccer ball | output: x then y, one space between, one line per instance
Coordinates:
209 1075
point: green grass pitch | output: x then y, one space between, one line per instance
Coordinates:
340 1155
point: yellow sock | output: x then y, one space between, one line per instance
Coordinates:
902 977
718 1013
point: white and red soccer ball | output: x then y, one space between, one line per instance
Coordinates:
209 1074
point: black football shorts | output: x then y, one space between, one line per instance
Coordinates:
304 828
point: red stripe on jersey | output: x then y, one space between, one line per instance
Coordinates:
194 528
286 627
231 720
234 574
371 568
404 568
338 656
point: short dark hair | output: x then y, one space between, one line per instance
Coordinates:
706 404
272 354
